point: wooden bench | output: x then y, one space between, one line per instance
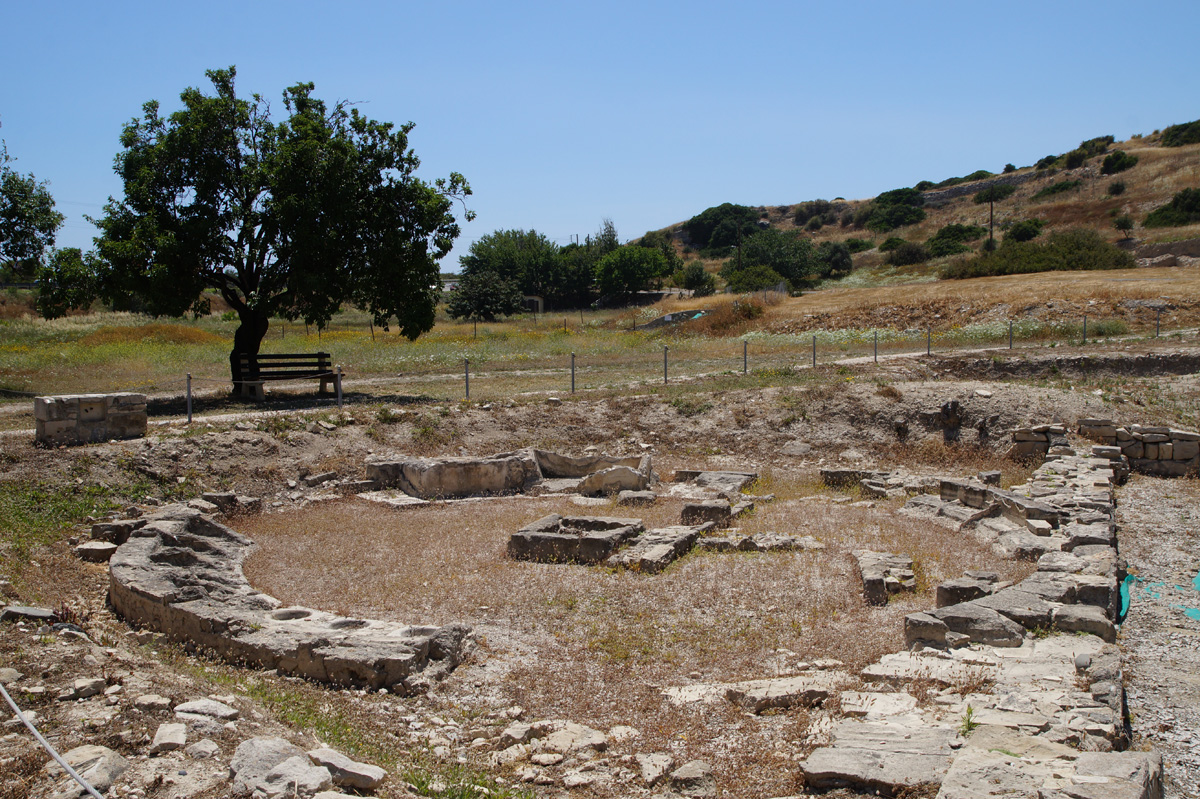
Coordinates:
258 369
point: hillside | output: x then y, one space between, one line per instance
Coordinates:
1061 192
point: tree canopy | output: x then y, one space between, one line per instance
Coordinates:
629 269
483 296
292 217
28 221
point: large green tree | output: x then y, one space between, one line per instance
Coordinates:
291 217
526 257
629 269
28 221
482 296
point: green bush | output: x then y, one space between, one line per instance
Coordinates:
1179 135
717 228
1184 209
858 245
824 211
1061 187
814 224
951 239
890 243
1025 230
1124 223
1067 250
1075 159
1116 188
756 278
697 279
835 259
1117 161
924 185
895 208
907 254
1046 163
1009 168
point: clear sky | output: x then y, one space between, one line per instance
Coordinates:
561 114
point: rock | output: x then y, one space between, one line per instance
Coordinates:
613 481
254 759
573 539
717 511
152 703
875 705
87 687
9 676
880 756
622 733
8 590
796 449
203 750
169 737
432 478
966 588
983 625
98 765
784 692
1085 619
25 613
95 551
567 737
209 708
884 574
295 777
636 498
654 550
653 768
694 779
348 773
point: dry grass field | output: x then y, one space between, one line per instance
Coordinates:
596 645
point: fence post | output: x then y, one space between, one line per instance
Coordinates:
339 387
929 341
1085 328
876 346
664 364
814 352
745 356
572 373
1157 319
189 397
1010 325
467 375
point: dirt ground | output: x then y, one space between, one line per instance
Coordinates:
551 645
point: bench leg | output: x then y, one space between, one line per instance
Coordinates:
253 389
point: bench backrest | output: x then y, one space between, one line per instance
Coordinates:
279 366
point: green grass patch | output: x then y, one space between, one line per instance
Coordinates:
34 514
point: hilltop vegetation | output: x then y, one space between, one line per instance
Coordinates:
1102 197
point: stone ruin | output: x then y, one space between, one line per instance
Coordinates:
88 418
180 573
1052 723
1160 451
509 473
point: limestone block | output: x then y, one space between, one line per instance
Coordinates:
1166 451
717 511
1185 450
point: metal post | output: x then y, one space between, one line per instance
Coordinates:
1010 325
664 364
814 352
1157 319
564 324
876 346
1085 328
745 356
572 373
189 397
929 341
339 387
467 375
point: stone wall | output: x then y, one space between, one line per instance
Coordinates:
1159 451
89 418
180 574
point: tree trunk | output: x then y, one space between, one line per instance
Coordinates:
246 341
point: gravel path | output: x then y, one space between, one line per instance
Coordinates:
1160 538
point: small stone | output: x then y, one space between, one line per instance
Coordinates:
25 613
553 401
348 773
546 759
694 779
9 676
203 749
152 703
209 708
95 551
89 686
168 738
653 768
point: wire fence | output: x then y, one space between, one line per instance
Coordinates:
486 374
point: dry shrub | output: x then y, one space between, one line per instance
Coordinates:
154 333
889 392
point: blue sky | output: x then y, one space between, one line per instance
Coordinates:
562 114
